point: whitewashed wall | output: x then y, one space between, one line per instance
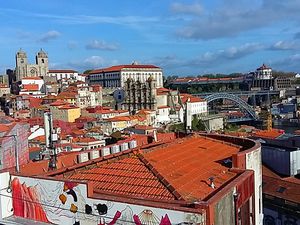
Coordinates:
253 162
49 193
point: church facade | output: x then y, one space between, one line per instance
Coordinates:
24 69
140 95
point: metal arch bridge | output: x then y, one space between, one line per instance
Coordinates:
241 103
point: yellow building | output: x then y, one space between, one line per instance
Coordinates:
63 111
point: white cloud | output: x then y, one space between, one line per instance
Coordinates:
228 20
165 61
85 19
50 35
195 8
23 34
285 45
101 45
94 61
91 62
289 63
72 44
230 53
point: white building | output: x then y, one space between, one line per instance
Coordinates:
64 74
198 105
116 76
88 96
32 86
163 114
263 72
4 89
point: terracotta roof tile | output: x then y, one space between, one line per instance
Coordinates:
40 167
58 103
127 176
271 134
30 87
120 67
31 78
187 165
190 98
4 128
160 171
290 190
164 107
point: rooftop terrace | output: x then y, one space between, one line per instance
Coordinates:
180 170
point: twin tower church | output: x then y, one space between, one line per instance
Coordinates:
24 69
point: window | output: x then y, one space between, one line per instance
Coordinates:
281 189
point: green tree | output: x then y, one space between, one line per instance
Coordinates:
87 71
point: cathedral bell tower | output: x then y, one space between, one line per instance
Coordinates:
42 63
21 64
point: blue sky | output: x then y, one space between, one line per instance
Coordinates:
183 37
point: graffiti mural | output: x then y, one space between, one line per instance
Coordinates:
26 202
67 203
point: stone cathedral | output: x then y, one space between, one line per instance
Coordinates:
24 69
140 95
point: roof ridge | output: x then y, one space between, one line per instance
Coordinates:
159 176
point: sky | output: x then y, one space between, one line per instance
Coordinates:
182 37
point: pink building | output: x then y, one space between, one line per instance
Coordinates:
13 137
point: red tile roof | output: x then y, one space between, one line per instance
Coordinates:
120 67
67 95
64 160
58 103
35 102
31 78
84 140
188 164
163 107
34 149
143 112
190 98
271 134
263 67
24 111
4 128
120 118
40 138
291 190
127 176
162 91
64 107
178 170
30 87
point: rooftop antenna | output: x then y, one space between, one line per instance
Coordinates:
50 138
188 116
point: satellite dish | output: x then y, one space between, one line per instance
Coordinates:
119 95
